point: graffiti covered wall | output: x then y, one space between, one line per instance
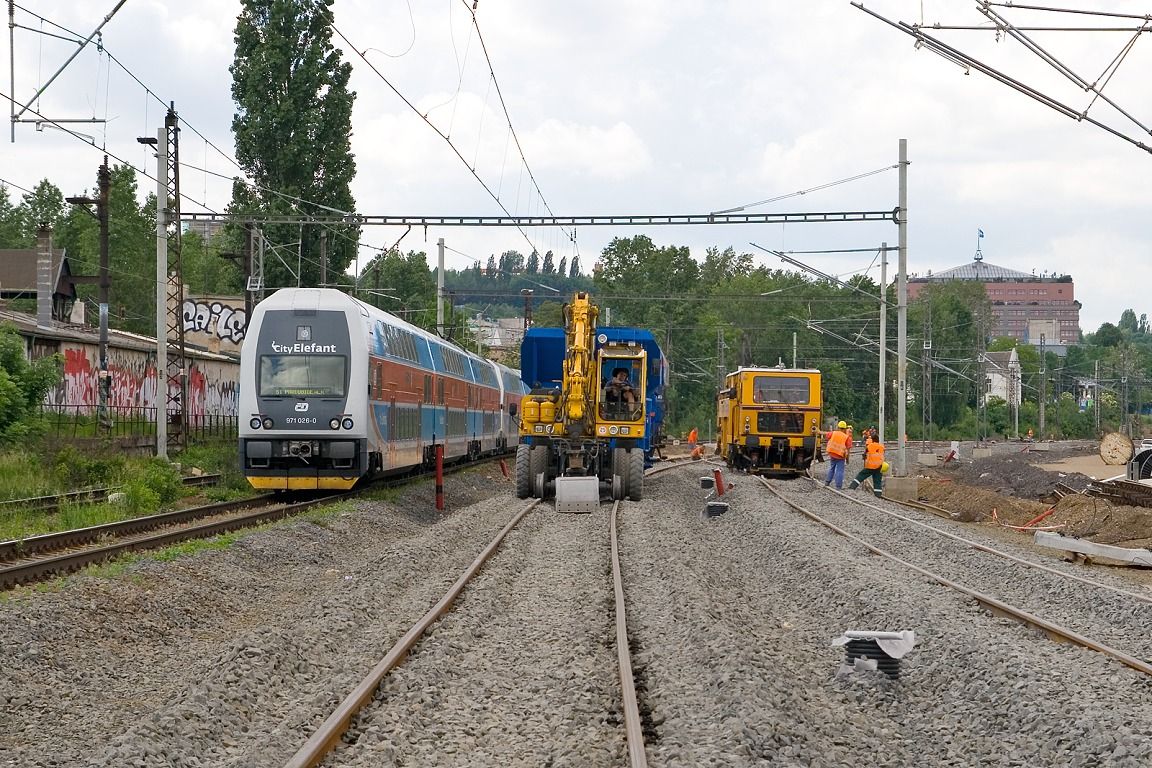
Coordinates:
216 323
212 384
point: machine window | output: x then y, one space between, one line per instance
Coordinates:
302 375
775 422
781 389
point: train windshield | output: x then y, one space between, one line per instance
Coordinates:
302 375
781 389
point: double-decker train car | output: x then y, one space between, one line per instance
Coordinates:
768 420
333 390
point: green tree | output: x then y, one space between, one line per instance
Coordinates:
533 265
1107 335
12 234
44 204
548 267
131 251
574 271
293 128
23 385
1128 321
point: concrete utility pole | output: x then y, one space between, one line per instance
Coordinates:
440 287
323 256
1043 390
161 398
883 337
902 317
104 183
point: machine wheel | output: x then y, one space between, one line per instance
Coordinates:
636 475
617 487
523 472
538 469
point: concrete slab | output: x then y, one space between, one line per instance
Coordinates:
981 453
927 459
1092 549
902 488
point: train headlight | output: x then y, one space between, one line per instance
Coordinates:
603 430
255 423
539 428
267 423
334 423
613 430
347 423
625 430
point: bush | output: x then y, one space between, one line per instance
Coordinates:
78 470
162 479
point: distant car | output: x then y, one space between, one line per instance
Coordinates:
1145 445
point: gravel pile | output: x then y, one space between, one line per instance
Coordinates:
734 617
1012 475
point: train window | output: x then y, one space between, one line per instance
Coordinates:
427 388
775 422
302 375
781 389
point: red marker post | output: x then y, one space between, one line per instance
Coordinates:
719 482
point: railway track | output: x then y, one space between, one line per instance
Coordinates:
36 558
1007 584
86 496
334 730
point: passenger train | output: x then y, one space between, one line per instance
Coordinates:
333 390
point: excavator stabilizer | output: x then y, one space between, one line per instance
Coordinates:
577 494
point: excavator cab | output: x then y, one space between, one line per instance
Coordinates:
620 401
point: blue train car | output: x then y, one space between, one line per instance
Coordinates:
542 367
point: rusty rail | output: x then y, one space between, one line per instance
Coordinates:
999 607
322 741
633 728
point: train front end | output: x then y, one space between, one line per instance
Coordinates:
302 423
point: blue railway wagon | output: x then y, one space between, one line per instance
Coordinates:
333 390
542 367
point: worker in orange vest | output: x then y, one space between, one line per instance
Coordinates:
692 437
837 445
873 468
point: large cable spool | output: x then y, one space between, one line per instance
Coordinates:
1116 449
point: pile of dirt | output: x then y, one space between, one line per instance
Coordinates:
1010 489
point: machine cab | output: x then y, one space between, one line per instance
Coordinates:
622 382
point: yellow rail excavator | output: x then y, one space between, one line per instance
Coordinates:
583 424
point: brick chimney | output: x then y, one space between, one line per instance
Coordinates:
44 287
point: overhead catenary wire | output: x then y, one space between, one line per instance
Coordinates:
431 125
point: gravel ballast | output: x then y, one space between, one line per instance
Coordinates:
734 617
232 657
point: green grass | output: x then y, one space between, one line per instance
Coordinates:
149 485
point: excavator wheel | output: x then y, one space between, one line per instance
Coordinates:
636 474
523 472
538 469
618 490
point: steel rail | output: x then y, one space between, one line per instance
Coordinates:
325 738
999 607
48 542
633 727
53 502
945 514
26 571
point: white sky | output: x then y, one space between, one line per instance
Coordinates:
661 107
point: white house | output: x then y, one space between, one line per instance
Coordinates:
1001 376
